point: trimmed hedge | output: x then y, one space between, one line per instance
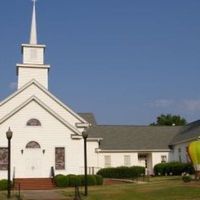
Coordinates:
3 184
122 172
99 180
61 180
72 180
91 180
173 168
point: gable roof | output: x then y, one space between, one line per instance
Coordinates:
134 137
189 132
43 105
38 85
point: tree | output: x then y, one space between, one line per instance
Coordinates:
169 120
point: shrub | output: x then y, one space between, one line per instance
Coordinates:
188 168
74 180
137 171
173 168
160 169
91 180
82 178
106 172
186 178
61 180
122 172
3 184
99 180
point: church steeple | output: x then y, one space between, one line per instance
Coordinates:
33 66
33 33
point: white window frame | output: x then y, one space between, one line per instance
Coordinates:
180 154
163 158
127 160
107 161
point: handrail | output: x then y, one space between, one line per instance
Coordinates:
52 175
52 172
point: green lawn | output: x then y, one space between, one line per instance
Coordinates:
169 188
156 189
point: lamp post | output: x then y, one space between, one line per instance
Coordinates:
9 134
85 135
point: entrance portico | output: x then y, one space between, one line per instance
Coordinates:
145 160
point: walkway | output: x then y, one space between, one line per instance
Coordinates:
43 195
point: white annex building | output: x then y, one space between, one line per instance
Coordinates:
47 134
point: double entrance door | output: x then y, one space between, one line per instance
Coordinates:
34 163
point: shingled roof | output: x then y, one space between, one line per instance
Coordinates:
189 132
125 137
116 137
89 117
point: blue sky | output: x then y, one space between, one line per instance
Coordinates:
127 61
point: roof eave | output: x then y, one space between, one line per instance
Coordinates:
132 150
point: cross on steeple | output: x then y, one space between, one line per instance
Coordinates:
33 34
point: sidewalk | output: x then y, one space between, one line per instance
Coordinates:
43 195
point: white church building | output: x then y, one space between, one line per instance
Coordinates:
48 134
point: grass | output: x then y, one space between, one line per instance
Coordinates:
156 189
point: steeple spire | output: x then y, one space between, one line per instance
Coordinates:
33 66
33 34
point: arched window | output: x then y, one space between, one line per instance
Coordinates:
33 145
33 122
